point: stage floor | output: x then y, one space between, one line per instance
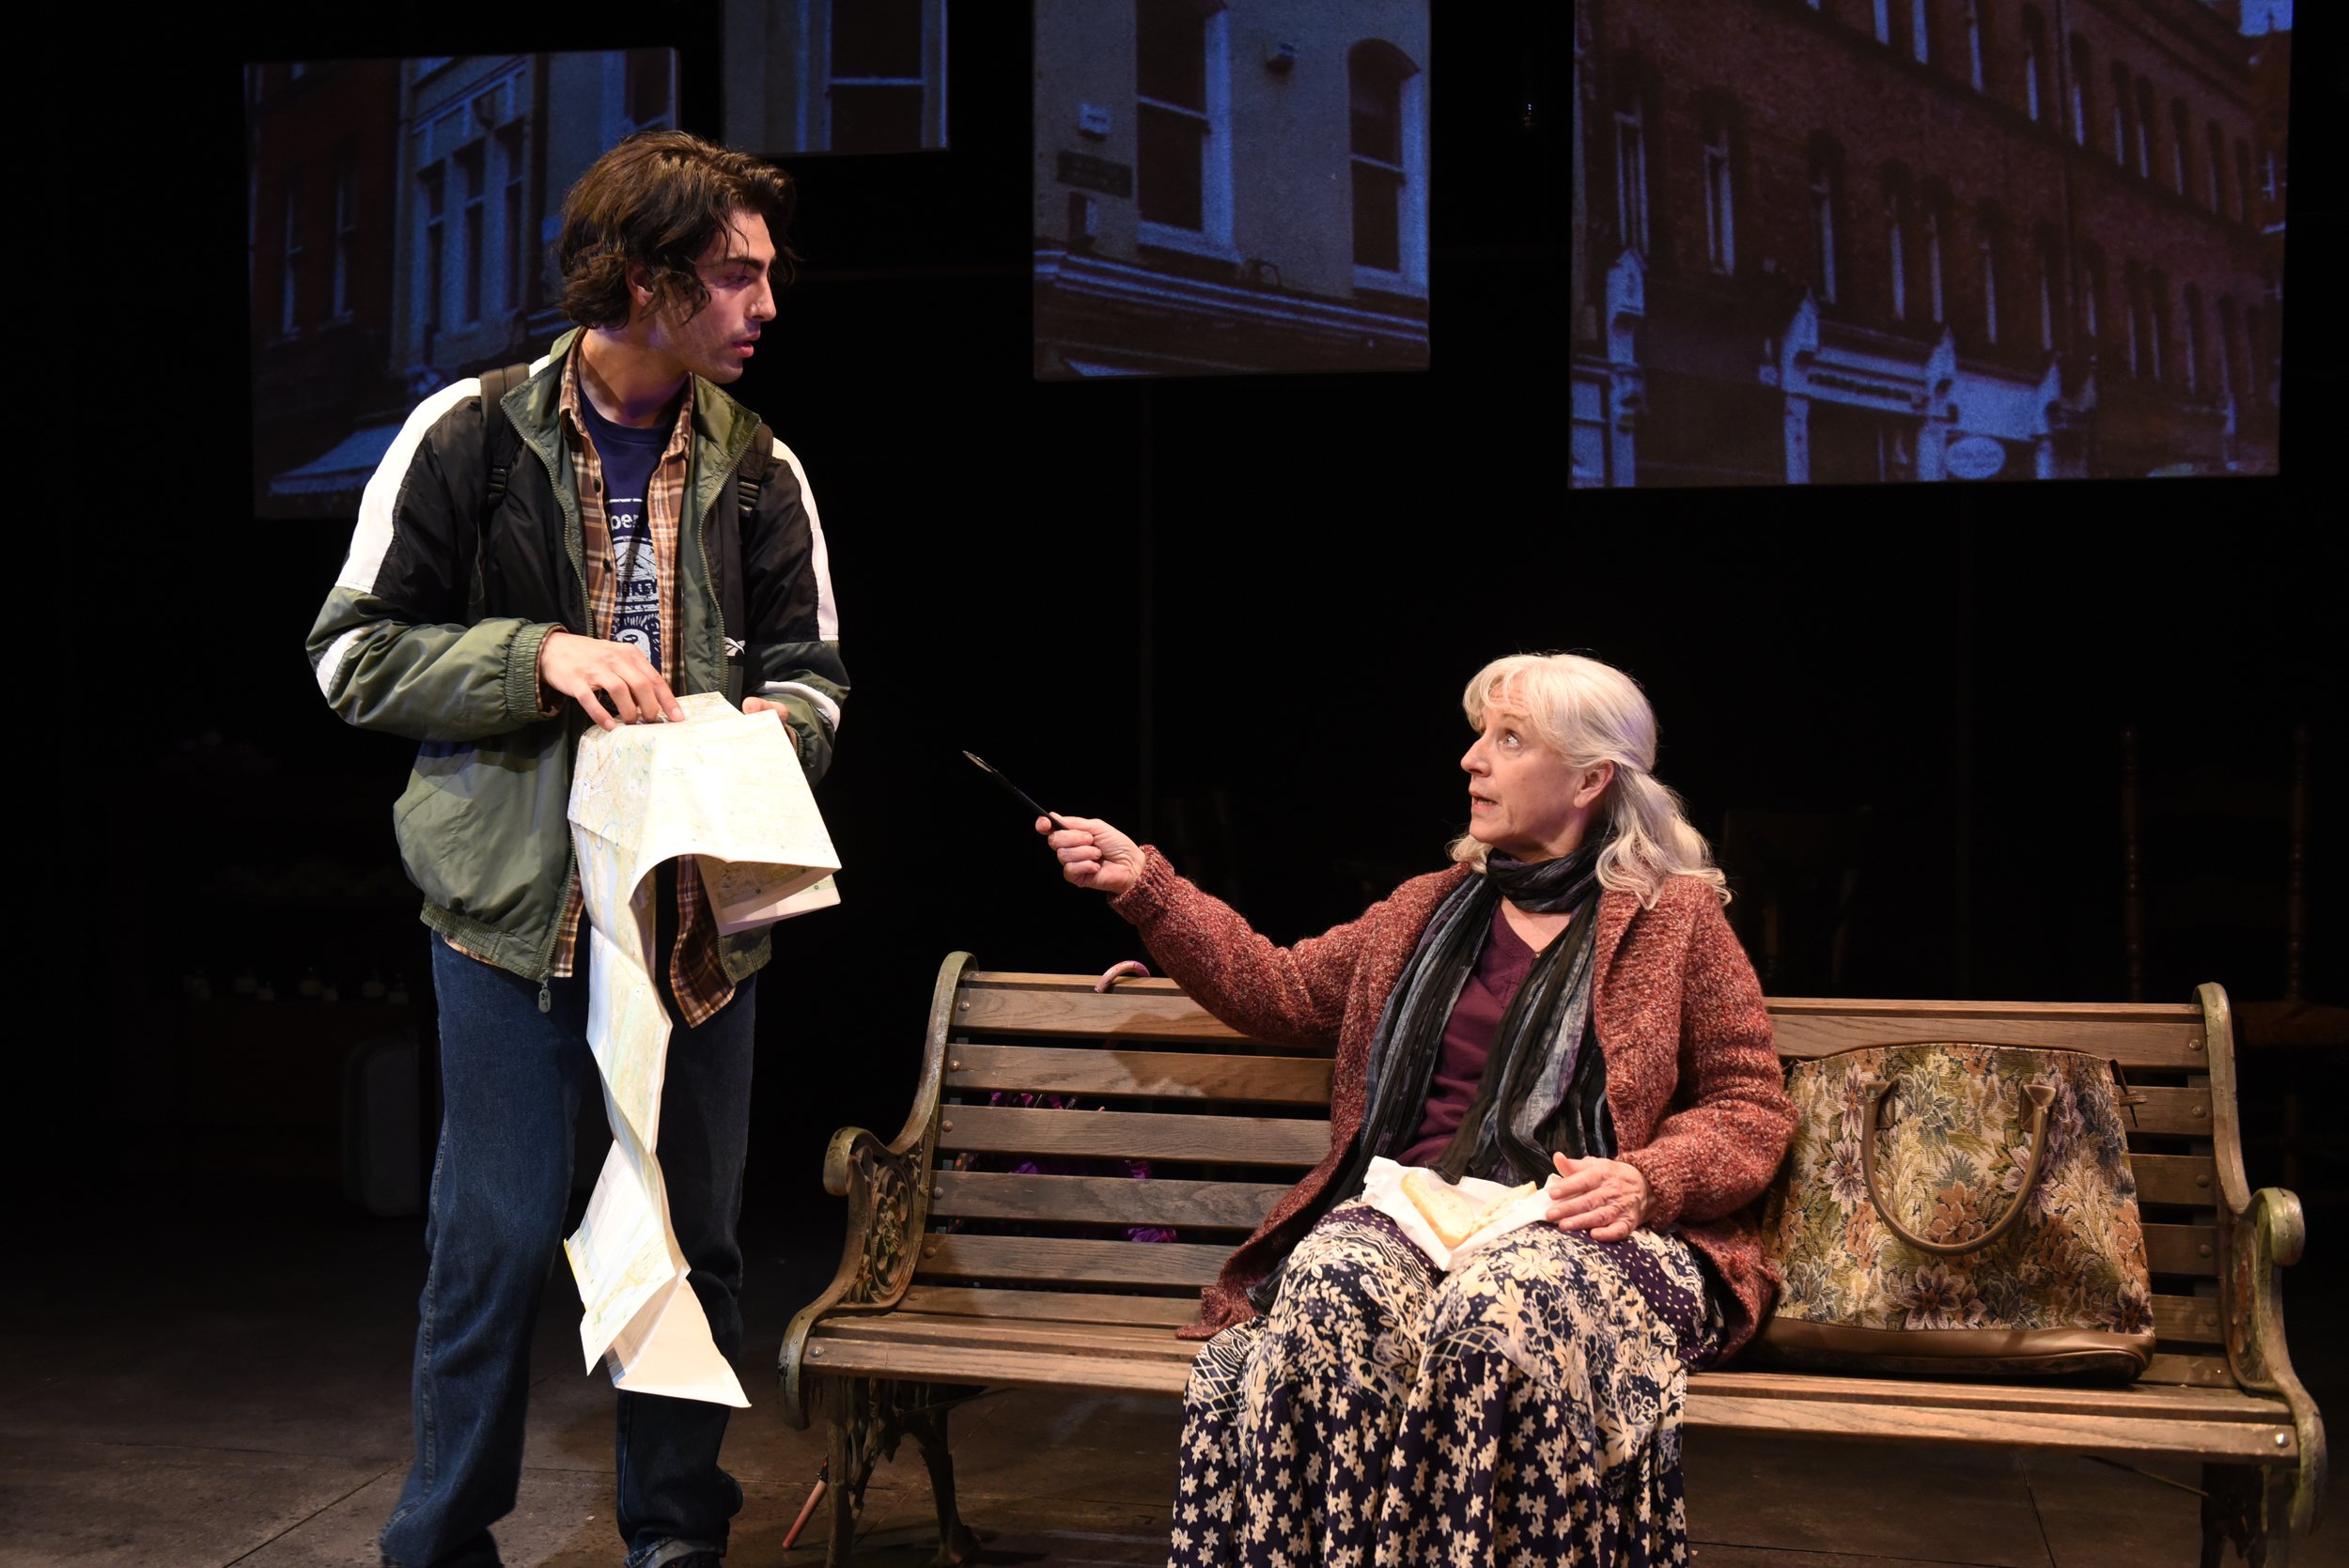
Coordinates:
219 1377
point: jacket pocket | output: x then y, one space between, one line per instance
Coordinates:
474 836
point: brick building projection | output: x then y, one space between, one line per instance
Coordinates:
1839 241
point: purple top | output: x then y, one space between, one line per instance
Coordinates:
1468 1038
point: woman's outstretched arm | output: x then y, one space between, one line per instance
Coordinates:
1292 995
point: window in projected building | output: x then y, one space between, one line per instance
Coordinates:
1386 147
1377 94
855 76
1827 201
1896 202
2082 111
289 308
1937 228
431 249
2047 260
2121 115
1989 242
1721 212
346 223
877 86
1182 167
1631 194
2093 298
2034 63
2193 345
2157 303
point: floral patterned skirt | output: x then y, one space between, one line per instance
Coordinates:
1523 1409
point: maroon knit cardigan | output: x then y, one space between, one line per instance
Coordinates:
1692 1076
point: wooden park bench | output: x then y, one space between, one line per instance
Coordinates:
960 1274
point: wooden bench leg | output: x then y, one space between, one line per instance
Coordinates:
2247 1506
956 1542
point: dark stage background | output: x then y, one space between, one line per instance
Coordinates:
1234 615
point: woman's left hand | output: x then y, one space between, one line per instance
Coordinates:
1605 1197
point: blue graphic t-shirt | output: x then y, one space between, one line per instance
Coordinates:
629 455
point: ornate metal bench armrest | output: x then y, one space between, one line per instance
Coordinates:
888 1193
2265 1239
2261 1233
888 1188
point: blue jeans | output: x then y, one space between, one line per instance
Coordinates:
512 1078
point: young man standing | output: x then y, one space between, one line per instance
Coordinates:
602 540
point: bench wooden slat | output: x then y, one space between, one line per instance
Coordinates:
2186 1320
1234 1205
1052 1306
2182 1249
2171 1111
2139 1034
1134 1134
2129 1401
994 1367
2188 1179
2219 1441
2136 1035
2183 1112
1105 1199
1165 1075
1171 1263
1120 1341
1140 1011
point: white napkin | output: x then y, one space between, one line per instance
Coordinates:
1383 1189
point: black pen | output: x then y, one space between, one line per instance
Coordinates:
1027 799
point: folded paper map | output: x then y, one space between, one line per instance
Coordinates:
724 789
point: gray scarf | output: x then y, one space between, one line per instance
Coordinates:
1545 1084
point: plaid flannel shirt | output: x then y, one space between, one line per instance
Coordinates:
696 973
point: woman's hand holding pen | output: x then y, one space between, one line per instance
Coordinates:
1093 854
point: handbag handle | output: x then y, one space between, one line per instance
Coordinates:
2041 1096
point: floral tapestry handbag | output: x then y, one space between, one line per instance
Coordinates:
1965 1210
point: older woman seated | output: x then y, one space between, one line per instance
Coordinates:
1566 1002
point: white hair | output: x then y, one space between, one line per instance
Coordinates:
1587 713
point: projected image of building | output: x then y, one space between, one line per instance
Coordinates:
835 75
1230 189
1843 241
398 218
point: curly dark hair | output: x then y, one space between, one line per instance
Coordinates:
658 200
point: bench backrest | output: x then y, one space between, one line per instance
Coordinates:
1056 1098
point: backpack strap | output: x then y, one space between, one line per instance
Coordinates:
500 443
750 474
